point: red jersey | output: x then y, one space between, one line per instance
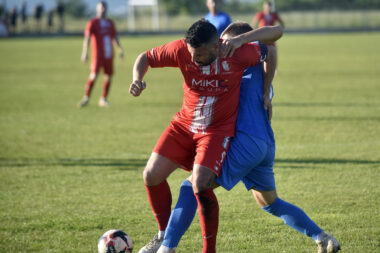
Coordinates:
211 93
267 20
102 32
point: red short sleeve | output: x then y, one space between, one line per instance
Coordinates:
89 28
166 55
258 16
251 54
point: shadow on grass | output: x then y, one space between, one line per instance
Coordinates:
136 163
306 162
326 104
122 164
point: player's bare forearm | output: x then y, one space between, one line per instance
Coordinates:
86 43
139 69
270 69
118 45
267 33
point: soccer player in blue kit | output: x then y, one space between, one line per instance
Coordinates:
217 17
250 159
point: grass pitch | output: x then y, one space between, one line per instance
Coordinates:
67 175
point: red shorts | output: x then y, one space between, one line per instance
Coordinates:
186 148
106 64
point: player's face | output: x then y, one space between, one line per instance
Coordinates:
266 7
101 10
203 55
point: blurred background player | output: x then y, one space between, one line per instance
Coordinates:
38 12
61 13
267 16
50 21
13 15
217 17
249 159
24 16
103 34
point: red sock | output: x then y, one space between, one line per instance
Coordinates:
209 218
89 85
106 87
160 199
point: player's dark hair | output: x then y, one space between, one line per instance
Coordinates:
268 3
201 32
237 28
104 4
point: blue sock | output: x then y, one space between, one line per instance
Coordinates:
294 217
181 216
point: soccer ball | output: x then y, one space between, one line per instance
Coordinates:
115 241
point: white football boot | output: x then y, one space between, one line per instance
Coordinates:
153 245
164 249
327 243
83 102
103 102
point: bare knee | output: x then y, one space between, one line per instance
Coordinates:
93 76
157 169
264 198
202 178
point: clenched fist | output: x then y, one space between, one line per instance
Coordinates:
137 87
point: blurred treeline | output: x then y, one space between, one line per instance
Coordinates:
77 8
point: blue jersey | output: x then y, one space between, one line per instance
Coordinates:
220 21
252 118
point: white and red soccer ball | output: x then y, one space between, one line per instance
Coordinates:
115 241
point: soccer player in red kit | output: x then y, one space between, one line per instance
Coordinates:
102 33
267 17
198 137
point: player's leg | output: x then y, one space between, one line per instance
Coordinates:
169 153
243 154
180 218
262 183
203 179
108 72
94 70
295 218
211 153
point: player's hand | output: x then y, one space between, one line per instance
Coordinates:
121 55
137 87
228 46
268 106
84 58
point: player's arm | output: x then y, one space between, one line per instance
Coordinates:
139 70
86 43
267 34
119 48
270 68
280 21
255 22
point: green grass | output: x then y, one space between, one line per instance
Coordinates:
68 175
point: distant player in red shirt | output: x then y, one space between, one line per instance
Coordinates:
198 137
267 17
102 33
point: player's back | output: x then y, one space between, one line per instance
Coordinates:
252 118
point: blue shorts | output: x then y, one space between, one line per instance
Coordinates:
250 160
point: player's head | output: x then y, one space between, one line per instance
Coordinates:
101 9
267 6
202 42
213 6
236 28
